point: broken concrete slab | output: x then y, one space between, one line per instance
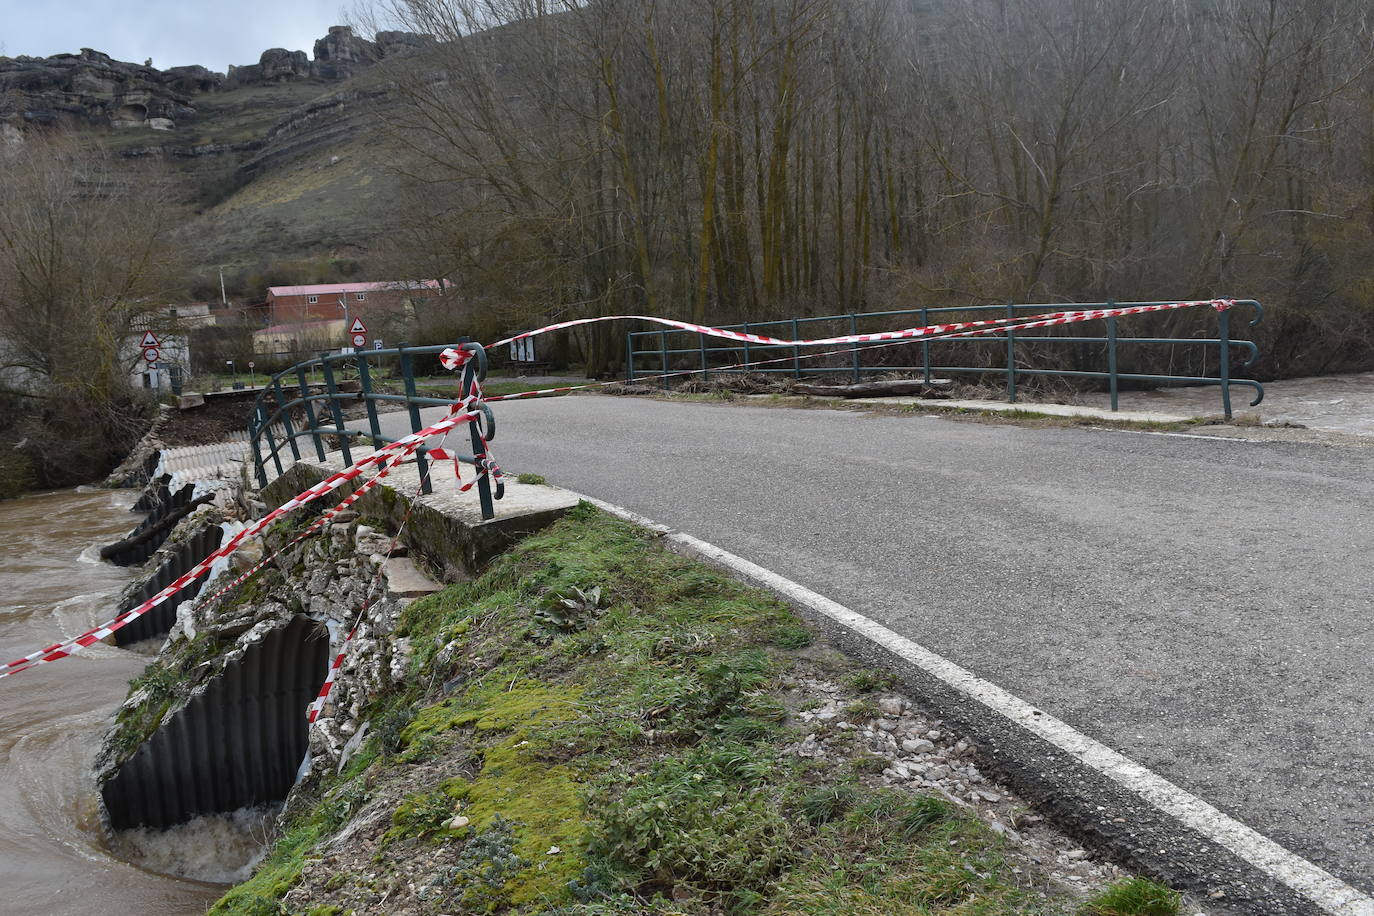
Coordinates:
406 580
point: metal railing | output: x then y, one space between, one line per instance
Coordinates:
292 408
737 358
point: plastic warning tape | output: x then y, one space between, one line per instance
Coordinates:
401 447
935 330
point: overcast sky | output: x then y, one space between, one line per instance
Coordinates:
171 32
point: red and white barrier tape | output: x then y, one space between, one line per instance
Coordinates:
934 330
389 455
439 453
402 447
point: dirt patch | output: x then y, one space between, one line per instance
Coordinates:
217 420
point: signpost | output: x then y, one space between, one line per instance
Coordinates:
152 352
377 344
358 331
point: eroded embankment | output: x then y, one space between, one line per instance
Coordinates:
597 725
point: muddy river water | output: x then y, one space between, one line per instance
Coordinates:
53 859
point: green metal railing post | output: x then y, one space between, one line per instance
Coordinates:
925 346
854 331
332 390
272 448
1224 357
796 351
408 379
479 446
310 411
365 380
1111 354
663 353
629 357
257 451
1011 358
286 420
701 342
746 348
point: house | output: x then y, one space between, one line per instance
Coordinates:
300 338
327 301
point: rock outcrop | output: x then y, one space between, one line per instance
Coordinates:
91 88
94 89
340 54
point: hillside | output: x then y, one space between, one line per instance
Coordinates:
275 162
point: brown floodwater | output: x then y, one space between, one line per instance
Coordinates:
53 858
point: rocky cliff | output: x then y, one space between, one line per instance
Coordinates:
93 89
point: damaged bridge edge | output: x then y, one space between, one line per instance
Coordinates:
1107 801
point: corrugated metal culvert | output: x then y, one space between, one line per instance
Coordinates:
160 619
238 744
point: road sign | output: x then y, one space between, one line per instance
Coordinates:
357 327
377 344
359 340
149 340
152 354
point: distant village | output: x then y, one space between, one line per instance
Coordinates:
288 324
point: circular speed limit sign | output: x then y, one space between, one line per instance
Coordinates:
359 340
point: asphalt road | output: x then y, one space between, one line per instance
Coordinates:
1204 606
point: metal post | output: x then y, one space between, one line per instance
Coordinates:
1111 354
479 447
332 391
1011 358
408 378
1224 357
365 379
272 447
663 353
701 342
925 345
286 419
747 364
310 412
257 451
796 351
629 357
854 331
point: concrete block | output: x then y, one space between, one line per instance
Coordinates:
190 400
445 527
406 580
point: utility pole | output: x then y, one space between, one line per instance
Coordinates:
343 304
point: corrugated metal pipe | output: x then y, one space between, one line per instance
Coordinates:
160 619
239 743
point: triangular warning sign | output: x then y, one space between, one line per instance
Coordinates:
149 340
357 327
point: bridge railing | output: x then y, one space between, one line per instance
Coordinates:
301 409
659 353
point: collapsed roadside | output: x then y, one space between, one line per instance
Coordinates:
597 725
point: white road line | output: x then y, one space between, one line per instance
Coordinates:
1147 432
1325 890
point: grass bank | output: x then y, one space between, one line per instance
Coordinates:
598 726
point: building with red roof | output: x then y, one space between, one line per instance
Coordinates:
328 301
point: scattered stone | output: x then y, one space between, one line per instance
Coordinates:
459 822
917 746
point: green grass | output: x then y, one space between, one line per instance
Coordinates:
628 706
1135 897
